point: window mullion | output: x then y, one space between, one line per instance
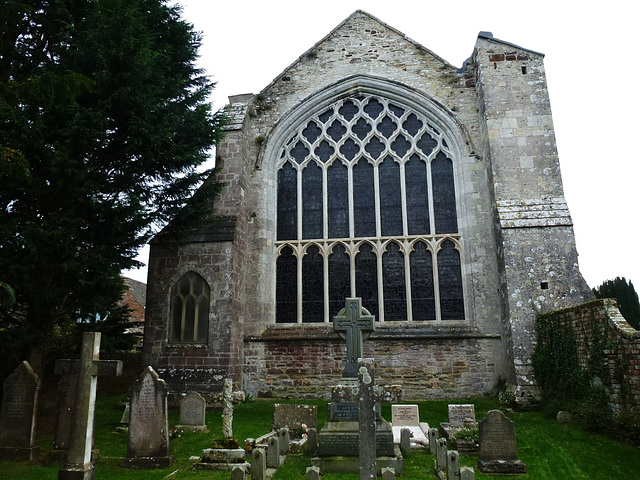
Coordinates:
325 281
352 227
436 282
299 201
403 197
407 278
432 220
376 189
379 250
299 256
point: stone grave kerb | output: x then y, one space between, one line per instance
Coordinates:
354 324
367 395
87 369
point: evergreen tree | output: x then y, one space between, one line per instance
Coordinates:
627 298
105 119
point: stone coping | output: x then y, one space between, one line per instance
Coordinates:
388 331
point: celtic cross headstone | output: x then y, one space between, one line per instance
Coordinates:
354 327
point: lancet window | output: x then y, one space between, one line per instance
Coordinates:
366 206
189 321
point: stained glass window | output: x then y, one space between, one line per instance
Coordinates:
287 203
339 279
312 201
367 277
286 287
450 282
391 198
423 303
338 200
358 173
395 291
312 296
189 310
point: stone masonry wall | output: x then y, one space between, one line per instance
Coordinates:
532 221
622 352
427 368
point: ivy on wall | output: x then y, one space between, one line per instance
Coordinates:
583 387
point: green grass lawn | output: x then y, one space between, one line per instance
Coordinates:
550 450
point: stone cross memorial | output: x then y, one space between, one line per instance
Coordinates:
148 444
87 369
18 414
354 327
367 395
227 409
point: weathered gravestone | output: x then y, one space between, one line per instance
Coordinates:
148 445
354 327
66 397
461 417
294 416
192 412
18 414
259 465
78 465
407 416
498 449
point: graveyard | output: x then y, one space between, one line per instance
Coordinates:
549 449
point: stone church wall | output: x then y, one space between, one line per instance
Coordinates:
515 231
445 367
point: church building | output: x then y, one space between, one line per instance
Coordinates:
373 168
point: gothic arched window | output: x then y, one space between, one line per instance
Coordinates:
189 321
366 207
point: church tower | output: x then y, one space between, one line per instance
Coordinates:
373 168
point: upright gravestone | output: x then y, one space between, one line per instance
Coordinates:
259 465
66 396
498 449
78 465
407 416
294 416
462 415
18 415
354 327
148 445
192 412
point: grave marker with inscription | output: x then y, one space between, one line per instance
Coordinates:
407 416
498 449
294 416
148 445
18 414
192 412
463 415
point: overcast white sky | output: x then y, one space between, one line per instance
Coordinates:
592 73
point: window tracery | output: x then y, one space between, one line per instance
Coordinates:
366 207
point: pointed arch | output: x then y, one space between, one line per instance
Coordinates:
189 311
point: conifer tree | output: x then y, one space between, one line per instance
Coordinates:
627 298
105 119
